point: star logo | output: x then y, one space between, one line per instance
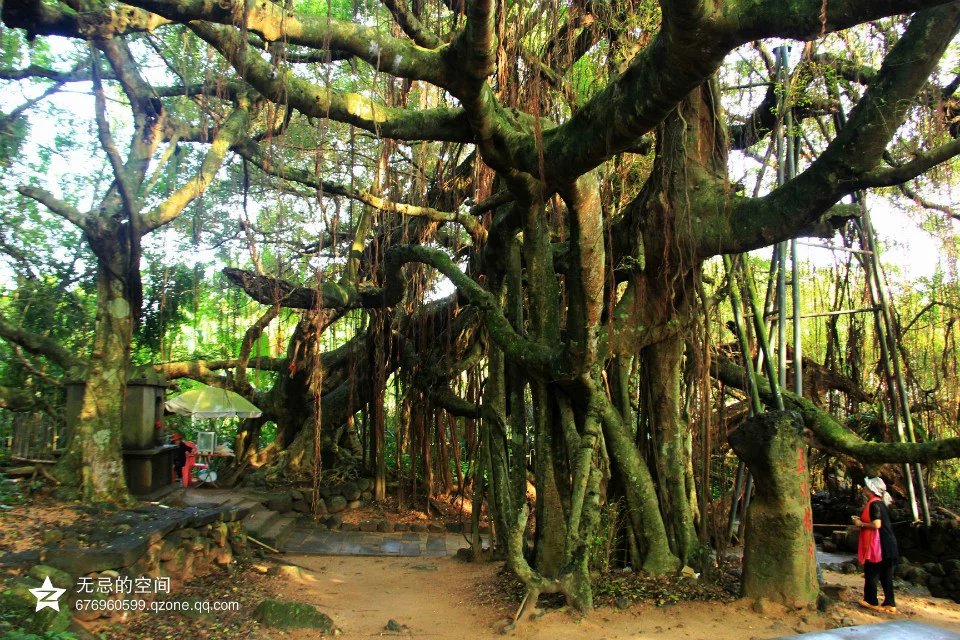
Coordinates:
47 595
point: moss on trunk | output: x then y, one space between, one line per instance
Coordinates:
661 375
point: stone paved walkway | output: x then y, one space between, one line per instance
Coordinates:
354 543
289 535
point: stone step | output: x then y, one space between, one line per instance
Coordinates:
253 505
278 532
257 523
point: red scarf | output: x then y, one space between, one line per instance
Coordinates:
868 550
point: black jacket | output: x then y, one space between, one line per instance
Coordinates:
888 542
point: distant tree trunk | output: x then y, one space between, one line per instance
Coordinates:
779 560
378 358
94 456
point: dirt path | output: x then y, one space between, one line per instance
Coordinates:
450 599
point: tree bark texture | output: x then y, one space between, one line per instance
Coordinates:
779 558
94 457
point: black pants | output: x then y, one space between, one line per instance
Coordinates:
882 571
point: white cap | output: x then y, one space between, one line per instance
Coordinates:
876 486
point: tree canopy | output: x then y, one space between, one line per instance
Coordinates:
511 210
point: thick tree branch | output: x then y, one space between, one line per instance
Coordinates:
307 57
921 163
41 346
149 120
475 52
135 87
203 370
267 290
575 38
254 154
475 49
227 90
273 22
55 205
743 224
78 74
235 125
677 60
121 177
281 85
680 58
37 17
273 291
518 349
411 25
250 337
832 435
807 19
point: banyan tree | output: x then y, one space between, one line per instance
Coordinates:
566 171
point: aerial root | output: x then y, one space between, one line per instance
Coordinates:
527 605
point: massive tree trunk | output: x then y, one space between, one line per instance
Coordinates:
779 559
651 320
94 456
551 533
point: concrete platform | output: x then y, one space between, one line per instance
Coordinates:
898 630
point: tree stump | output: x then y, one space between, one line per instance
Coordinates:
779 559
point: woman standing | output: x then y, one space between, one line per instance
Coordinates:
877 551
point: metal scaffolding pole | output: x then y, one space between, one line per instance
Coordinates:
769 300
781 313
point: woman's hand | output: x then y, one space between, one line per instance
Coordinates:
857 521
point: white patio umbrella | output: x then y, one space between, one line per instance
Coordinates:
212 402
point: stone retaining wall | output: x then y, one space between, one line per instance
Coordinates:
934 556
334 500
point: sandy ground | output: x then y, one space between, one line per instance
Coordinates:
448 598
451 599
